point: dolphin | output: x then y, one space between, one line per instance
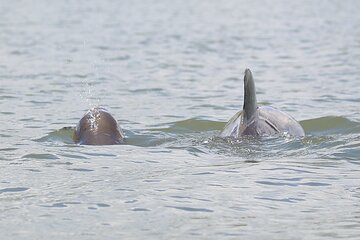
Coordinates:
259 121
98 127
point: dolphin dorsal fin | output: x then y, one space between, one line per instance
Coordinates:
250 104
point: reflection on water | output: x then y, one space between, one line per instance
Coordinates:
171 73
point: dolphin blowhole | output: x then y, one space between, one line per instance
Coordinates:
98 127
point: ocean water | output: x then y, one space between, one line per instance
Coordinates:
171 73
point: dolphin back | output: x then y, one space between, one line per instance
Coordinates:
266 121
272 120
232 127
259 121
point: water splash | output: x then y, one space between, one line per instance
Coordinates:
94 116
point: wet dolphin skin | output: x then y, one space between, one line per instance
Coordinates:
259 121
98 127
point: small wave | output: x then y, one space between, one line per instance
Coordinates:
12 190
191 125
192 209
330 125
40 156
64 135
330 137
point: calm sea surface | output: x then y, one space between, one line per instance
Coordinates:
171 73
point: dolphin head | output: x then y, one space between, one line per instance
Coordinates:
98 127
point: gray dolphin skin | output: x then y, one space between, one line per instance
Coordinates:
98 127
259 121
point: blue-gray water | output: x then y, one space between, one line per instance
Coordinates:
171 74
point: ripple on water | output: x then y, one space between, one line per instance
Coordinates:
192 209
62 135
13 190
5 135
325 126
81 169
287 200
289 184
9 149
73 156
140 210
102 205
7 113
40 156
